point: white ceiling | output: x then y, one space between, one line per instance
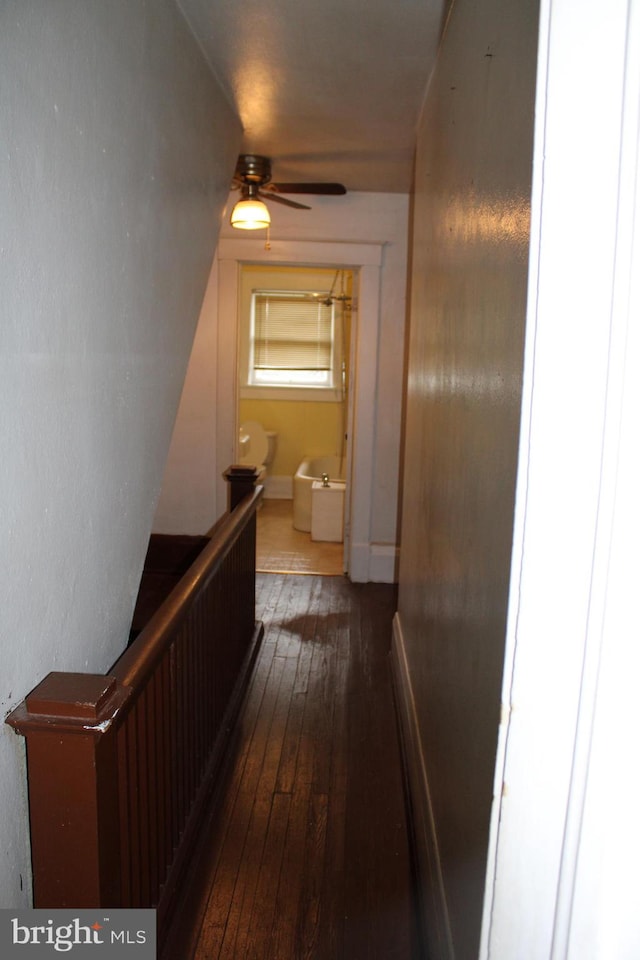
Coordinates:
329 89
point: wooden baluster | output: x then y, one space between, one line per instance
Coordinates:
121 767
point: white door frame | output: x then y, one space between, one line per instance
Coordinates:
364 258
565 839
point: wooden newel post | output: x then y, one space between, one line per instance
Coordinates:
68 721
241 481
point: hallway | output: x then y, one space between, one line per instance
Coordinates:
308 854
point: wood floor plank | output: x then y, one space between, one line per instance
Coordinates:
265 608
379 902
331 934
237 854
284 929
288 621
255 942
264 757
215 841
308 852
291 745
310 912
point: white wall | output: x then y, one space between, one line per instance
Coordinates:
116 157
187 502
562 879
187 505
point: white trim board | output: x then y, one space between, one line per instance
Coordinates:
565 841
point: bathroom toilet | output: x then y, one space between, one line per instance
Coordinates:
257 447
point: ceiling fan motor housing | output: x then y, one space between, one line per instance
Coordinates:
252 168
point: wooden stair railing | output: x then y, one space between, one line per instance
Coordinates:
121 767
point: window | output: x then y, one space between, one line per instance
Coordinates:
293 340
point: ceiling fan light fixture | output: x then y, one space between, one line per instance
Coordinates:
250 214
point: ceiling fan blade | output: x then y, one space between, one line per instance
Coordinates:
288 203
326 189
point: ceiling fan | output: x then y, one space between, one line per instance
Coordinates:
253 179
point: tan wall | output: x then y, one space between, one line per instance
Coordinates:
469 289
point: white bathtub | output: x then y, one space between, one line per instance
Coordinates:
309 470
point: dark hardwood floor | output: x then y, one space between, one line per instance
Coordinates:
307 853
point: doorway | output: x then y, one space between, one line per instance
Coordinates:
293 386
365 261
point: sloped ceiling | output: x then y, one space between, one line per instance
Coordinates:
329 89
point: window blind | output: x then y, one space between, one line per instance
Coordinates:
291 332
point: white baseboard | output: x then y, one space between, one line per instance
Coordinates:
372 563
434 915
359 562
278 488
383 563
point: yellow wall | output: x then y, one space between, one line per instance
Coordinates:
304 427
